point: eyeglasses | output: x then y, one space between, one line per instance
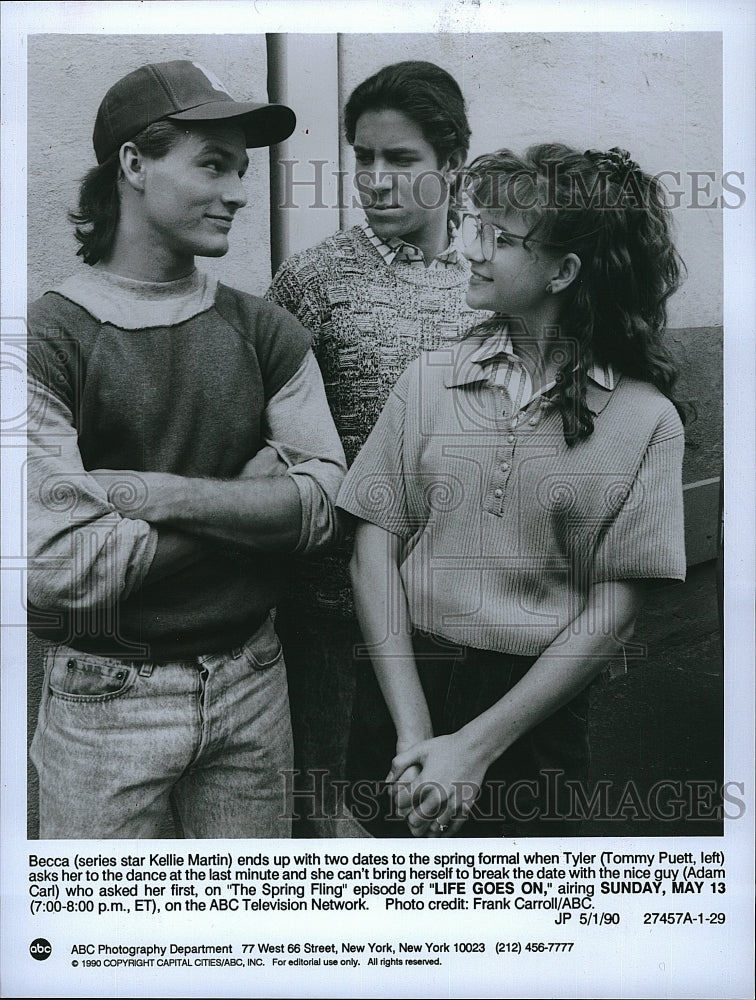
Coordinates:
490 236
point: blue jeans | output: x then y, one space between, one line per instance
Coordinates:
118 742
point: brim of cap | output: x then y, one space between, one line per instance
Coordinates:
263 124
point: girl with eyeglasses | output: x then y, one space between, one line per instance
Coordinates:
517 496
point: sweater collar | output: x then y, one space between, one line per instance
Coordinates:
135 305
396 249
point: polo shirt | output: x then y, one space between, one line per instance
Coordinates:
505 526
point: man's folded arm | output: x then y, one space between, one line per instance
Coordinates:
82 552
291 512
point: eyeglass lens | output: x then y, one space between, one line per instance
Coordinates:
474 230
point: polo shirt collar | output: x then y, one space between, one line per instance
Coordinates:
469 368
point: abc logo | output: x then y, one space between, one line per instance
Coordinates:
40 949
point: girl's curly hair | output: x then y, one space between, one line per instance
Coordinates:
602 207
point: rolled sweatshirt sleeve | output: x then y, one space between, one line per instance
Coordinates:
299 426
82 554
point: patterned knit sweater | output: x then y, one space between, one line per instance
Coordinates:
369 321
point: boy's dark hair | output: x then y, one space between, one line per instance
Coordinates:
427 95
99 206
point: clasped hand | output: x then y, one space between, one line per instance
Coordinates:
434 784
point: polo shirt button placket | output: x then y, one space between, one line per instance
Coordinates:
504 463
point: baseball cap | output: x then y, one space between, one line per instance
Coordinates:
181 90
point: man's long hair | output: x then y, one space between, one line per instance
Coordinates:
99 205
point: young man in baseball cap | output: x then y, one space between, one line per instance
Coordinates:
157 537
